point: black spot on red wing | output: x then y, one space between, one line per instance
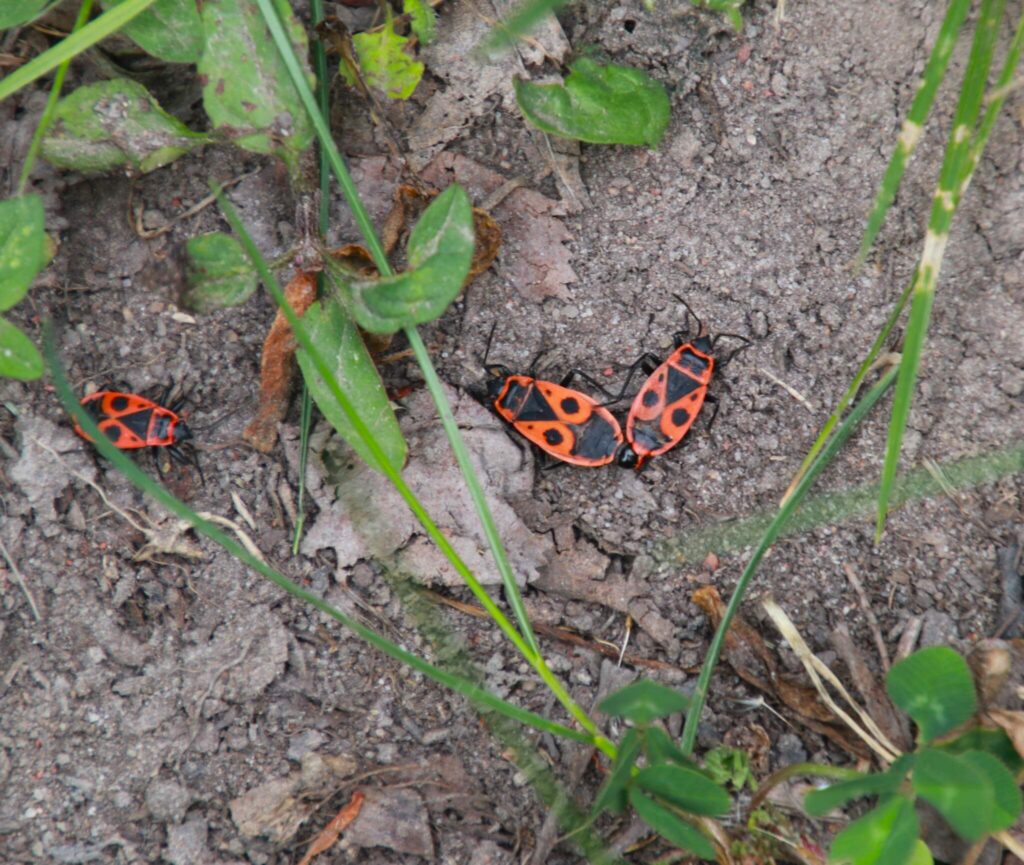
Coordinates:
120 403
553 437
570 405
113 432
651 398
680 416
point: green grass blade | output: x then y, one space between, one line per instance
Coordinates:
108 23
520 23
952 181
851 390
995 102
393 474
783 516
913 125
125 465
51 103
451 428
512 593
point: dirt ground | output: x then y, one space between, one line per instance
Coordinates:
186 711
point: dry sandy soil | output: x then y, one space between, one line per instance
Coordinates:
165 709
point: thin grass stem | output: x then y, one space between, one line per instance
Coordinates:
700 694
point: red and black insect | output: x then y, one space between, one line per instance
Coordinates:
566 424
676 389
131 421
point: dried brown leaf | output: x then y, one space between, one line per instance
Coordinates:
277 367
329 834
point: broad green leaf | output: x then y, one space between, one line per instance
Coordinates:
957 789
439 254
729 766
659 748
246 88
886 835
338 339
599 104
643 701
22 246
935 688
672 828
994 742
384 62
219 273
105 125
422 19
613 792
19 358
1004 788
819 802
685 788
169 29
15 12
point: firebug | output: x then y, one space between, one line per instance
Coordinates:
676 389
131 422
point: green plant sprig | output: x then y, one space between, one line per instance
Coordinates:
366 228
394 476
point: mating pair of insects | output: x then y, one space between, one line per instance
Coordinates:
572 427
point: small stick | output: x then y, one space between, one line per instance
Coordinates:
876 633
20 579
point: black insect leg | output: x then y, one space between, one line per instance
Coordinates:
728 359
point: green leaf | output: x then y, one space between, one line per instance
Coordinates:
105 125
728 766
957 789
22 246
422 19
439 254
643 701
686 789
921 854
1007 794
886 835
219 273
935 688
15 12
659 748
169 29
246 88
994 742
819 802
336 337
384 63
19 358
672 828
599 104
613 793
